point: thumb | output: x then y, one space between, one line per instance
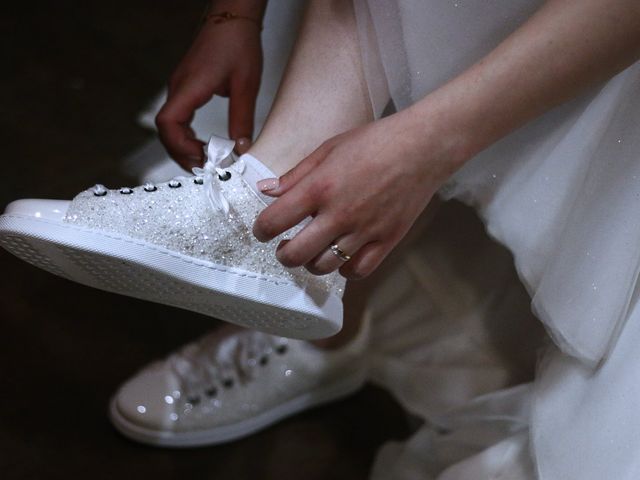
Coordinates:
242 104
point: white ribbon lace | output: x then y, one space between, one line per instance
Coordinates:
212 173
218 151
212 361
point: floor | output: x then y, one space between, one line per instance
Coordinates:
75 75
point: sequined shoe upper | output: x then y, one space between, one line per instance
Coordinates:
207 216
231 375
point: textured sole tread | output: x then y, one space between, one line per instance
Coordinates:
123 275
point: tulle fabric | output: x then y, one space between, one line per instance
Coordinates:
562 194
456 344
559 191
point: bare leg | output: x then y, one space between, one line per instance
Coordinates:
323 93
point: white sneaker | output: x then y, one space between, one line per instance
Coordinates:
231 384
186 243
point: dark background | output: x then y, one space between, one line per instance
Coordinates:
74 77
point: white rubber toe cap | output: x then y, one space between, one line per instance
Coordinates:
47 209
148 399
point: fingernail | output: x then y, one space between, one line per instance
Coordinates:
191 161
242 145
281 244
268 184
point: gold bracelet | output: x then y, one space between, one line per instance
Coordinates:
222 17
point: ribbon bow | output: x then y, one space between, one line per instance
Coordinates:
218 150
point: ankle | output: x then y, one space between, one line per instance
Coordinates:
268 160
281 157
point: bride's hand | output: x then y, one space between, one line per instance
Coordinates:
225 59
364 190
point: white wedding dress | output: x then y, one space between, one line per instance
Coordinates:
453 338
562 194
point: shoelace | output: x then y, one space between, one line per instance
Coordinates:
206 366
218 150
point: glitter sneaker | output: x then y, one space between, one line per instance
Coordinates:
231 384
186 243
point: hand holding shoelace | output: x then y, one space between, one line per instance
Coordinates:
363 189
225 59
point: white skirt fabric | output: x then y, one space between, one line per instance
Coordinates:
562 194
454 339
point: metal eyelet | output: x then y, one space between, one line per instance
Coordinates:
281 349
225 176
227 383
100 190
198 181
150 188
211 392
174 184
126 191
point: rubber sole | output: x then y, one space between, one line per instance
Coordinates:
142 270
236 431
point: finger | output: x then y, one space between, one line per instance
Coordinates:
327 261
276 187
173 122
308 243
286 212
242 105
366 260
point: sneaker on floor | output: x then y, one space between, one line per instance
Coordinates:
231 384
186 243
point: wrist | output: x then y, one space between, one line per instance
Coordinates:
253 9
434 138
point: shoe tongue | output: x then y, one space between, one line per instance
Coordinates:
254 171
